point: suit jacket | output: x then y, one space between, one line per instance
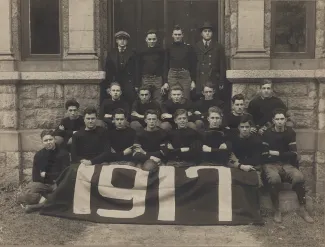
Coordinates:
211 64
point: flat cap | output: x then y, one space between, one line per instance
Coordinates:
122 34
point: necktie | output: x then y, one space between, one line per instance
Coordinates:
206 45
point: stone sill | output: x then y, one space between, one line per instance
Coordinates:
276 75
58 76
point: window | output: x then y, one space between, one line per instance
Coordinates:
41 28
293 29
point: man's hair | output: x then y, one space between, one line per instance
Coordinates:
147 88
279 111
179 112
150 111
237 97
215 109
152 31
115 83
266 81
71 102
177 87
47 132
177 28
246 119
90 110
119 111
209 84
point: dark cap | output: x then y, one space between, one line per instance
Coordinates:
206 25
121 34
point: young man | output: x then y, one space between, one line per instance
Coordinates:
48 164
262 106
181 64
170 106
202 106
238 111
281 163
216 146
122 138
148 143
211 64
151 66
121 67
110 105
139 108
91 145
183 144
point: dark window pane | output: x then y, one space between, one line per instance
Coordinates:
290 26
44 27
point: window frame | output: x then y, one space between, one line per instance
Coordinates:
310 32
25 35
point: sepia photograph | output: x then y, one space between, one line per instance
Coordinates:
162 123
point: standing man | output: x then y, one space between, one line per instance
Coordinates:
181 64
121 67
211 61
151 66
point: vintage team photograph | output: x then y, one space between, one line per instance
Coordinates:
162 122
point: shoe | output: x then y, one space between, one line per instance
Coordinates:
33 208
305 215
277 216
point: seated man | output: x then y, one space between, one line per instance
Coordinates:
281 164
149 142
122 138
170 106
70 124
91 145
183 144
48 164
247 149
202 106
262 106
216 146
140 106
110 105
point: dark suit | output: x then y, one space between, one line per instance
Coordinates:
122 69
211 65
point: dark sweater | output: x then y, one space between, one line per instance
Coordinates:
284 143
180 138
247 150
91 145
141 108
233 121
214 138
151 142
262 109
52 162
121 139
203 106
181 55
170 107
109 106
71 125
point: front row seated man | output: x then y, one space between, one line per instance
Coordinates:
281 163
48 164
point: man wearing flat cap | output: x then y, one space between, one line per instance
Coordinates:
121 67
211 61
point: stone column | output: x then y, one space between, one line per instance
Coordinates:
251 53
6 56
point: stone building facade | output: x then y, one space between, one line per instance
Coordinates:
33 89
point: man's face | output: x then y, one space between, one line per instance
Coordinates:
207 34
119 120
244 129
90 120
266 90
181 121
72 112
279 120
144 96
214 120
115 92
177 35
48 142
151 40
151 120
238 106
208 93
122 42
176 95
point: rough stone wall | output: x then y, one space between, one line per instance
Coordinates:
8 114
230 28
9 168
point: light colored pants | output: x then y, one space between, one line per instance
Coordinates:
155 83
34 192
278 173
182 78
